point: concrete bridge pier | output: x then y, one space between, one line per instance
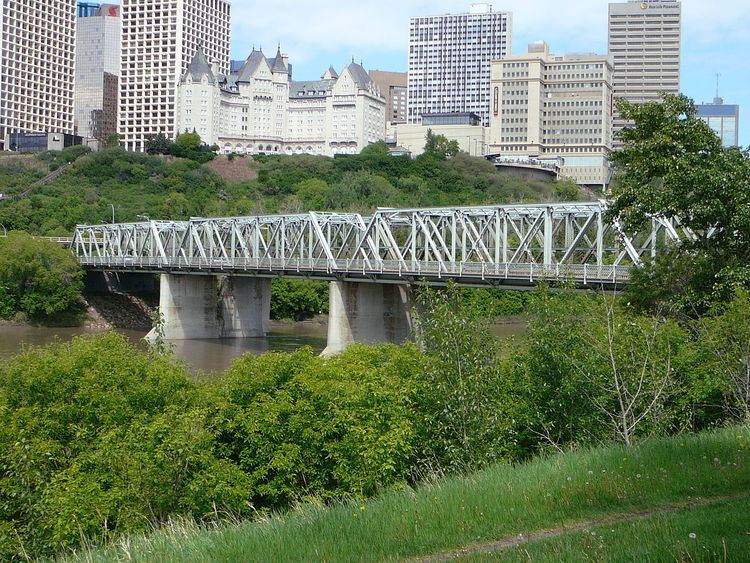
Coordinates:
367 313
209 307
245 307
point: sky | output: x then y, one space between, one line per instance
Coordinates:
316 35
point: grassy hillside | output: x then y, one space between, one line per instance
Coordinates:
173 188
693 484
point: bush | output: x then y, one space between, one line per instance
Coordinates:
67 412
471 406
298 299
300 425
598 373
37 277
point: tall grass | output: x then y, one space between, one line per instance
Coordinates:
448 514
719 532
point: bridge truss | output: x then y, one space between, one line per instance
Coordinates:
506 244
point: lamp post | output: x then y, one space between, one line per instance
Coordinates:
112 205
5 231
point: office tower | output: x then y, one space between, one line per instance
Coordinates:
644 43
97 70
450 58
159 39
392 86
724 119
36 67
550 107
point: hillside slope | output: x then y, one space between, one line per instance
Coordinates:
699 482
172 188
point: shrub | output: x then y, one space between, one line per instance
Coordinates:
471 409
98 440
37 277
299 425
298 299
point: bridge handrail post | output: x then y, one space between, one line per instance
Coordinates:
585 274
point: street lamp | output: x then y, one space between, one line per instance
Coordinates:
112 205
5 231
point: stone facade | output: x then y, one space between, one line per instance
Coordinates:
260 109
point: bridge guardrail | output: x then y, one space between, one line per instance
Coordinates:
582 273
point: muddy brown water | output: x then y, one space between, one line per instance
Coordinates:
201 355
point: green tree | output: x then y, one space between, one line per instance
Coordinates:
673 165
37 277
190 145
158 145
439 146
470 405
113 140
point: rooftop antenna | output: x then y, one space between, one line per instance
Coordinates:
718 76
717 99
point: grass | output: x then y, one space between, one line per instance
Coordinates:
499 502
719 532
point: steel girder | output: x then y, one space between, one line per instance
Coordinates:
412 241
551 235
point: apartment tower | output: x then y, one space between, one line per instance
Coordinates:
644 43
98 30
36 67
450 58
159 39
548 107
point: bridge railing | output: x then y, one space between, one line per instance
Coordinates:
581 273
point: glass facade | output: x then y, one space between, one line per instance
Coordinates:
451 119
97 72
723 119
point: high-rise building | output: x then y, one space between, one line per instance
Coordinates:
392 86
97 70
450 58
724 119
644 43
550 107
36 67
159 39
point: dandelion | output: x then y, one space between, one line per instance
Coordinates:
591 472
692 535
361 507
638 476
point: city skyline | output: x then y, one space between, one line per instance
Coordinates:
325 33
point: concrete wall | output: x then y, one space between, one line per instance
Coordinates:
367 313
471 138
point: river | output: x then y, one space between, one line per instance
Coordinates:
201 355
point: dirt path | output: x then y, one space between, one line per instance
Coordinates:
521 539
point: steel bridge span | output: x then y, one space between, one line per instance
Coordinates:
506 245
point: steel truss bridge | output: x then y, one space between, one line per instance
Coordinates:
511 245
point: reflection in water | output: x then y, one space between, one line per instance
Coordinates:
201 355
